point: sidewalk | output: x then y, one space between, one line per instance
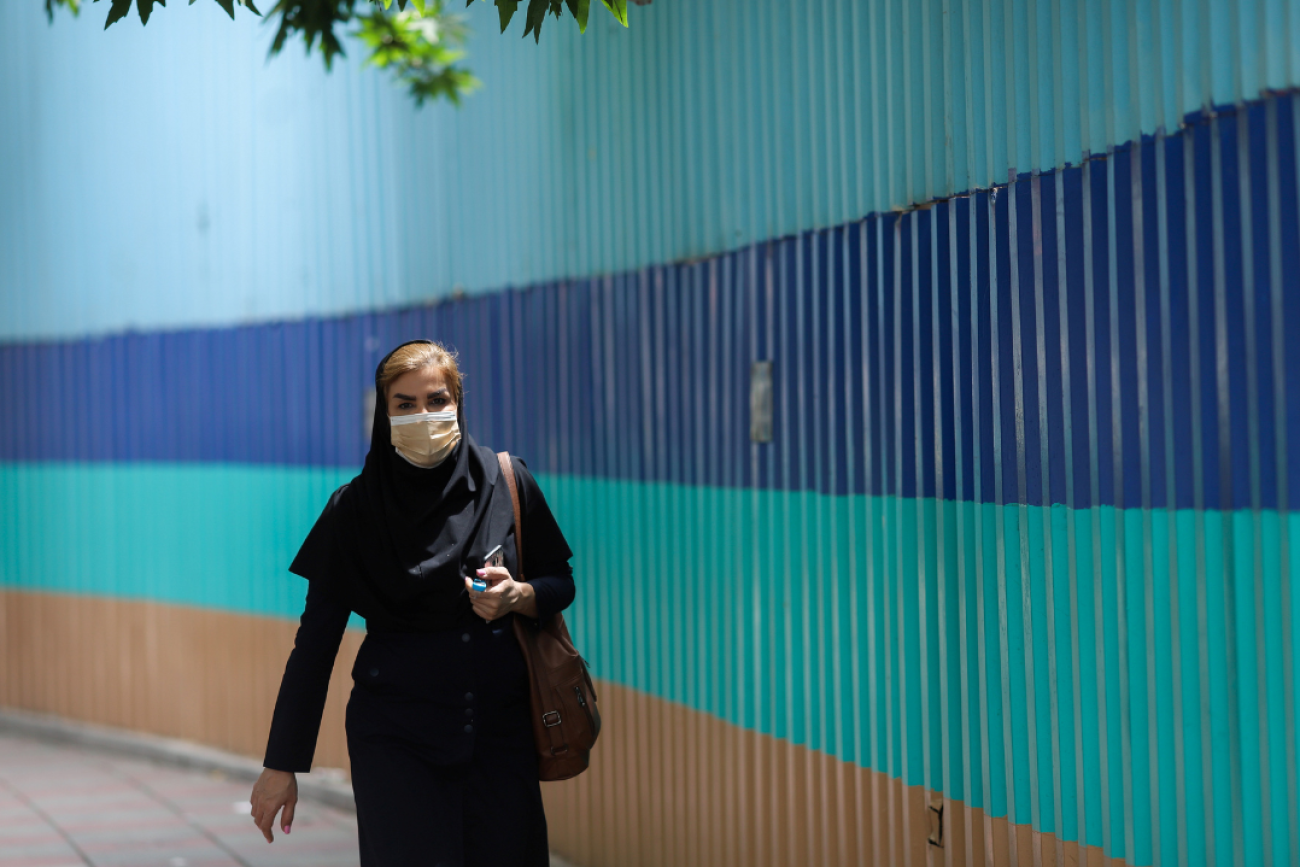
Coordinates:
63 805
68 804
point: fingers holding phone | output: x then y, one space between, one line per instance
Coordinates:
490 587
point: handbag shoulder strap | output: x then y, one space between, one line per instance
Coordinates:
508 470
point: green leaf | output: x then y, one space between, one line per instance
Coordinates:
229 6
144 7
117 12
618 8
506 11
419 7
251 7
537 10
579 9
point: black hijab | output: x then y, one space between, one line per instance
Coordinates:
395 543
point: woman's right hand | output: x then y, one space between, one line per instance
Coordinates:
273 790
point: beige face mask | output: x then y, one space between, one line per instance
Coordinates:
425 438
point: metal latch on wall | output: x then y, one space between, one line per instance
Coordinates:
936 821
760 402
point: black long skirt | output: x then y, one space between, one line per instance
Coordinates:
443 766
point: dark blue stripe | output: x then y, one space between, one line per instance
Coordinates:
645 375
1289 187
1149 233
1204 376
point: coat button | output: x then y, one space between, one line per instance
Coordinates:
469 730
465 637
374 672
469 711
469 696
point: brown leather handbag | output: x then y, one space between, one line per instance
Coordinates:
566 721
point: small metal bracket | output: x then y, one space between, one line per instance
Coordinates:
936 821
760 402
546 718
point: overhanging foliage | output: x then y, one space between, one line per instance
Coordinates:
420 42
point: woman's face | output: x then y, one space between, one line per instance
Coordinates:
422 390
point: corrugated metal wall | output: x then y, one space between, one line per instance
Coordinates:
174 156
1023 542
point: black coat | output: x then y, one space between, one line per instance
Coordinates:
438 724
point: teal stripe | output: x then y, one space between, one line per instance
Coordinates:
720 599
215 536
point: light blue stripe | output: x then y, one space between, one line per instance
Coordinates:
584 155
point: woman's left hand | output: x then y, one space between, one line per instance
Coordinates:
503 595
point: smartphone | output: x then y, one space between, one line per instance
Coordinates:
495 557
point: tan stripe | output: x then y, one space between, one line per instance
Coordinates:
172 670
774 784
668 785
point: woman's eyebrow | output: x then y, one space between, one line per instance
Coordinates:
403 397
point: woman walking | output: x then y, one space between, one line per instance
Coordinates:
438 727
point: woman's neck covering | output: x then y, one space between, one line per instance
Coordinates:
395 543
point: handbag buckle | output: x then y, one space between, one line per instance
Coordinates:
546 718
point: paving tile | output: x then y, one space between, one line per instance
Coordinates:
131 813
17 839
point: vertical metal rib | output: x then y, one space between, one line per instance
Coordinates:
1022 524
1121 543
981 643
775 693
751 290
964 496
788 354
1283 475
949 151
1085 144
905 65
811 538
940 506
1094 482
1253 454
1029 79
831 538
999 501
1198 492
726 309
922 601
1048 506
889 497
900 586
824 475
875 486
960 498
892 170
1171 499
927 98
1226 501
852 380
860 206
876 493
1144 445
1067 413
